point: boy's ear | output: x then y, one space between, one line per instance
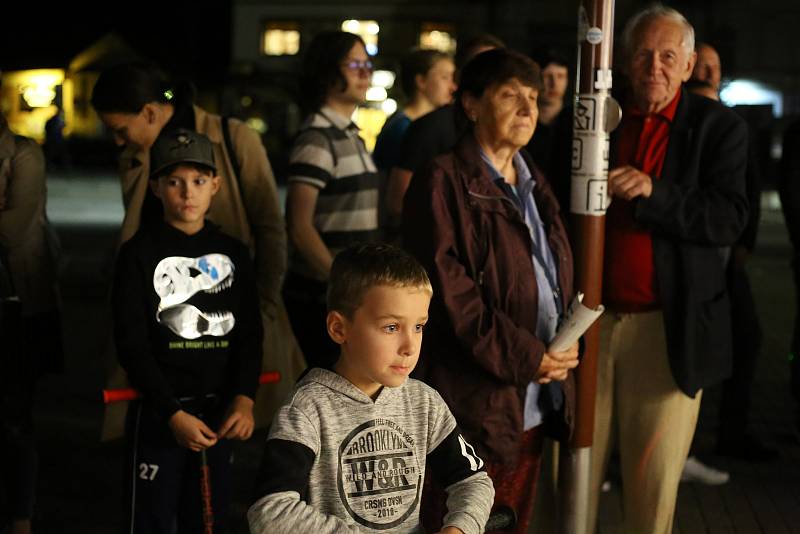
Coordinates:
154 188
337 327
215 184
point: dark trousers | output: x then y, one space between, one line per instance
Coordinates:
305 303
164 484
747 336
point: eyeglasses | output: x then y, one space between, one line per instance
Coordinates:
359 65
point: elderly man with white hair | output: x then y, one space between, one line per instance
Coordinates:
677 181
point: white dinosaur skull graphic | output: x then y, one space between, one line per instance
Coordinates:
191 323
177 278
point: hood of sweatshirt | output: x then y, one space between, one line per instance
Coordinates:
340 384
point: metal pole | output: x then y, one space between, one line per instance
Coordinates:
596 114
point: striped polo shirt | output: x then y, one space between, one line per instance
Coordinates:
328 154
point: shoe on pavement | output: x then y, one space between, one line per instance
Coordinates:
696 471
747 448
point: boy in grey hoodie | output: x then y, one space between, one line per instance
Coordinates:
348 451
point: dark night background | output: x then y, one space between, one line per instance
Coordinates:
216 44
189 38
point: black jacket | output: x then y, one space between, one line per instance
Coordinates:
170 290
697 206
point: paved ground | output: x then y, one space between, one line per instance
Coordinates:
81 479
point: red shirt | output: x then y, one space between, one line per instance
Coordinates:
629 274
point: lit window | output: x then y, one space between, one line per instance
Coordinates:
38 87
438 37
368 30
376 94
281 39
370 121
383 78
389 106
752 92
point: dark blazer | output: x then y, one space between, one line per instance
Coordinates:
480 350
698 205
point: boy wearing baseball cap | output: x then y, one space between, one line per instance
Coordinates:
188 333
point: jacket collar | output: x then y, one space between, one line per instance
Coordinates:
680 138
478 179
468 157
682 113
680 134
667 114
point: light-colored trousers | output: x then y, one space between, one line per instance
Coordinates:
640 408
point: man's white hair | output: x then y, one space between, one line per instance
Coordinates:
656 11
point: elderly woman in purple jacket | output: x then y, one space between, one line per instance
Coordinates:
487 226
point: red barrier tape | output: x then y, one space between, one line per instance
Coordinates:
127 394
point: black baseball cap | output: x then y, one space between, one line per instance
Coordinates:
178 146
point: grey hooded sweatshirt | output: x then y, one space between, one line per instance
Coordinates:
336 461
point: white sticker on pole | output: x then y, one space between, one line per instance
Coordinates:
590 152
587 114
594 35
589 195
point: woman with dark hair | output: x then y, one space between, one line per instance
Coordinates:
487 227
426 77
136 103
332 200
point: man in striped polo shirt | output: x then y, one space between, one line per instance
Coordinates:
332 200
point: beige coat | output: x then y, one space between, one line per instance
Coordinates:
251 214
25 234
